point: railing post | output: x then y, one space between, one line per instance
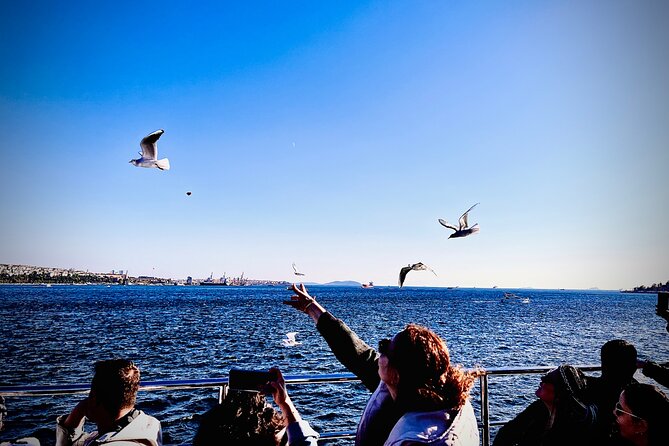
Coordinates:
485 409
222 393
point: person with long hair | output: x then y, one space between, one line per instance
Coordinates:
245 418
641 413
419 396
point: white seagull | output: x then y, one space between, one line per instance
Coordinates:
297 273
463 229
149 153
415 267
290 340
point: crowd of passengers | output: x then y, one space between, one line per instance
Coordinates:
418 398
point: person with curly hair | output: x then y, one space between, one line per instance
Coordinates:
418 397
245 418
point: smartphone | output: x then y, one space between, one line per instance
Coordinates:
662 301
250 380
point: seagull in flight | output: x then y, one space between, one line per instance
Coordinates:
290 341
149 153
463 230
297 273
415 267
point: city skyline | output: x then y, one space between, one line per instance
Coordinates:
335 135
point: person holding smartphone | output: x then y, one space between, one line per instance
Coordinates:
245 418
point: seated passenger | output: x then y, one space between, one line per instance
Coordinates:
559 417
246 419
641 413
29 441
111 406
419 396
619 362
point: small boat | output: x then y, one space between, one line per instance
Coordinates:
514 299
368 285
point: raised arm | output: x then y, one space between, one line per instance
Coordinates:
358 357
299 432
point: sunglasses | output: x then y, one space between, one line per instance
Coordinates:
384 347
619 410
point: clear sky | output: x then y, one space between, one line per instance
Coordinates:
335 134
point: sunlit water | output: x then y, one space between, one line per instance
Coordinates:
54 335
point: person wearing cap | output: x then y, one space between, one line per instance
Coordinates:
560 416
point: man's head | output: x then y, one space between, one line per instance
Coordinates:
618 360
115 385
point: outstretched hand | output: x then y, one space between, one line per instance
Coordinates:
303 302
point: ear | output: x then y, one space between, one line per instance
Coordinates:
641 426
393 376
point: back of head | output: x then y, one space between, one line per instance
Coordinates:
115 384
649 403
618 361
243 419
427 381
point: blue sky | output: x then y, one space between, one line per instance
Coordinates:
335 134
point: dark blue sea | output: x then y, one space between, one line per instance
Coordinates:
53 335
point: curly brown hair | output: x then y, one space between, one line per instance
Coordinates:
242 419
427 380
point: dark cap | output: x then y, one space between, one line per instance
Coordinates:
568 380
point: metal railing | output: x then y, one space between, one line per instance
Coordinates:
222 384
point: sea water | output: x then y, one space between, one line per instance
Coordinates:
53 335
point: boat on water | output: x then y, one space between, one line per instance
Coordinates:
514 299
368 285
209 283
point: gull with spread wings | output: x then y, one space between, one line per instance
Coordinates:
289 340
463 229
415 267
149 153
297 273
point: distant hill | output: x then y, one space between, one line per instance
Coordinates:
343 283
